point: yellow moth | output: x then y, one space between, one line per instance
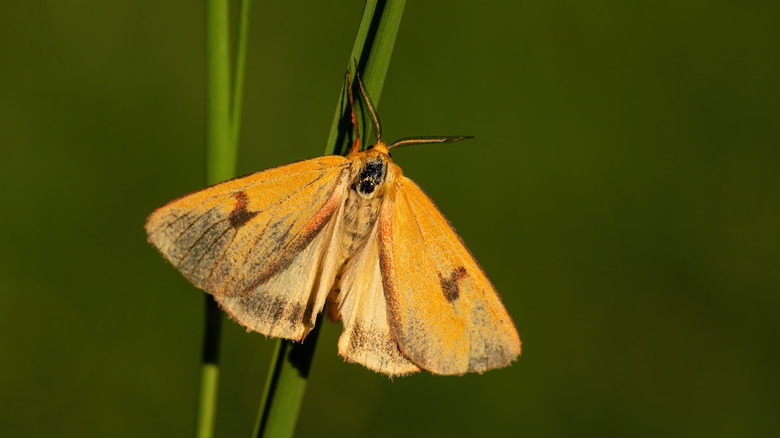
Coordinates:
275 247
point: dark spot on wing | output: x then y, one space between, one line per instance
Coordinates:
357 340
271 309
275 309
371 341
450 286
294 313
240 215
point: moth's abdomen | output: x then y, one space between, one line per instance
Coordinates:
360 215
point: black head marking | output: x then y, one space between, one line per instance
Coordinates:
370 177
240 215
450 286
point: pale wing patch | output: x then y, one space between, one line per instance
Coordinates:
444 312
232 237
288 303
366 338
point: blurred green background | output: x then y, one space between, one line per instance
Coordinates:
621 192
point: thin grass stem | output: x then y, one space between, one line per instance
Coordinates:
238 76
221 153
372 50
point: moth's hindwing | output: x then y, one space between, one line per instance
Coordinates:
366 338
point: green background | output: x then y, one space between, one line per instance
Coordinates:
621 193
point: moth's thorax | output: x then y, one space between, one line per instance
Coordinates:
372 171
372 180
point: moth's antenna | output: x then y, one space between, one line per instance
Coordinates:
408 141
370 105
356 145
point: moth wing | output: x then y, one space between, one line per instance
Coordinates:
444 312
367 338
257 242
288 303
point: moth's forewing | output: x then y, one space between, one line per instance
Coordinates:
287 302
444 313
255 242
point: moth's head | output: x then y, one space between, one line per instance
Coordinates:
378 149
373 170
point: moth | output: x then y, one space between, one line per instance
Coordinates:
276 247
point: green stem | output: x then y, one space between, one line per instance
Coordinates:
220 150
372 50
285 386
209 371
288 376
238 81
221 153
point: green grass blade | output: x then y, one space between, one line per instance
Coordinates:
288 376
238 78
372 50
209 371
286 386
221 153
